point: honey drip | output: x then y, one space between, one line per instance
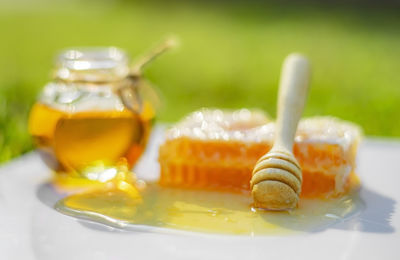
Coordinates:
120 204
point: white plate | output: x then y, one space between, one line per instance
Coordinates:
31 229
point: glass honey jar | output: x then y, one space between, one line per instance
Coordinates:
92 115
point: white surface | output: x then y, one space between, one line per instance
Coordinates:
31 229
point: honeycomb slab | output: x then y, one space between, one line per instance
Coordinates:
217 150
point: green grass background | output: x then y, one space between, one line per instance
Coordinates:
230 56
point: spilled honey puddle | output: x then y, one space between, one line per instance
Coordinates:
203 211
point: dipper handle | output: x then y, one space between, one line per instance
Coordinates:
292 95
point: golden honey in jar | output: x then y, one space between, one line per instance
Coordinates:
82 122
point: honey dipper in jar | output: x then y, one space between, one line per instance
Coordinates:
92 117
277 178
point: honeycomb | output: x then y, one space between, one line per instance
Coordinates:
217 150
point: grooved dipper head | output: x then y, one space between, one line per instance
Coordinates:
276 181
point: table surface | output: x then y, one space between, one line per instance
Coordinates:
31 229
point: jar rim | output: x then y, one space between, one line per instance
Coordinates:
92 64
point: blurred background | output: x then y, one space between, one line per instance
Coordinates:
230 55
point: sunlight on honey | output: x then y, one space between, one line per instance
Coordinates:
203 211
73 141
92 153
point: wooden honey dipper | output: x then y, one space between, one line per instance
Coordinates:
277 176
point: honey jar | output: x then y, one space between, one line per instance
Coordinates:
92 115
